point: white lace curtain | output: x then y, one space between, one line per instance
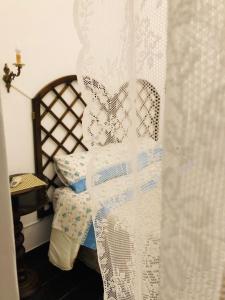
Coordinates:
160 233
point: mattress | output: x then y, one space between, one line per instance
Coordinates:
72 225
63 252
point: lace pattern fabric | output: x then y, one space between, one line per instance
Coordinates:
124 41
121 68
193 175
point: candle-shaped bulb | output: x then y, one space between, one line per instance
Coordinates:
18 57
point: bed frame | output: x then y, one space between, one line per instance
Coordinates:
57 122
57 112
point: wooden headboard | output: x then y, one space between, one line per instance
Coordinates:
57 118
57 121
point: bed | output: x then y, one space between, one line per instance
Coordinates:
57 111
57 121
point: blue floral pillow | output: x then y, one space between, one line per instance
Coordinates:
72 169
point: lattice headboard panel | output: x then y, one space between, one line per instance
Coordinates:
57 118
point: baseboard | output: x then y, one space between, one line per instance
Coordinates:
41 250
37 234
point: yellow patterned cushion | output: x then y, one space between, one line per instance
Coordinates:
28 181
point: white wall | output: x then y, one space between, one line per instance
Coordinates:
45 33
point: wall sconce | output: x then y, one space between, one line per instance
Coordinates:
10 75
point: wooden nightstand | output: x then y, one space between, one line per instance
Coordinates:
27 197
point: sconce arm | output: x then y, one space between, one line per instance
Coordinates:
10 75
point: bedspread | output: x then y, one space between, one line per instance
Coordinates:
72 213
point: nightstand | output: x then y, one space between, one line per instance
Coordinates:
27 197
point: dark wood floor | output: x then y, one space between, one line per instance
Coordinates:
79 284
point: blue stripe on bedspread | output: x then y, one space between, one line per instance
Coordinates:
79 186
121 169
90 240
114 202
117 170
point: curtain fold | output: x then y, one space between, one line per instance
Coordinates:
156 239
193 220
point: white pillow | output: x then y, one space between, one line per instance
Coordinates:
73 167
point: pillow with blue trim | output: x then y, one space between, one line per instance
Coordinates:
72 169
